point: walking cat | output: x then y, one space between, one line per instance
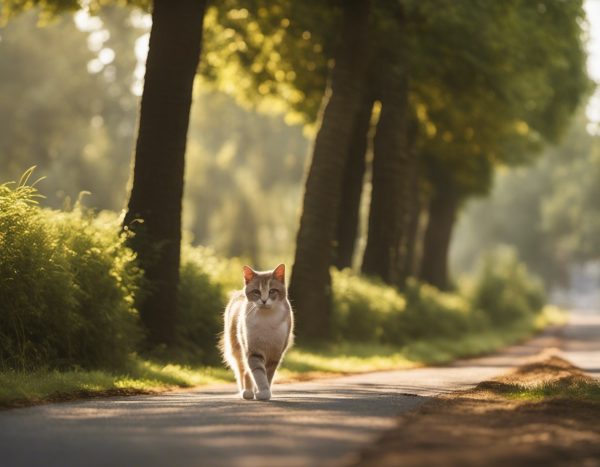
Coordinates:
258 330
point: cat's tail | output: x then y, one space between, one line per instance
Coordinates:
221 346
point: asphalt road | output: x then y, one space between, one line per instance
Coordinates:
316 423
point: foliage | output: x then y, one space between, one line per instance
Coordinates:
505 291
513 65
363 307
549 212
366 310
67 289
71 114
204 287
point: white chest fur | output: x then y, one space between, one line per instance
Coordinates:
266 330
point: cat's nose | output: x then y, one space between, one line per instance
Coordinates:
263 300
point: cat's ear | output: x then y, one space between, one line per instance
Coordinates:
248 274
279 273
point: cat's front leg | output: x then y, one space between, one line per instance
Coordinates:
256 363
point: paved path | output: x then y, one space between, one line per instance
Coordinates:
581 341
306 424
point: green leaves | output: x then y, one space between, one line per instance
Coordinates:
67 286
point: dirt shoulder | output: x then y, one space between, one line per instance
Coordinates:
544 413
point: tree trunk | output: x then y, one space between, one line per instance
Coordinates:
414 209
352 186
442 214
387 215
157 189
310 287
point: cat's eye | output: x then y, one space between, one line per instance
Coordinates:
256 292
273 291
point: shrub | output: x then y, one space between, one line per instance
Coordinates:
205 284
366 310
504 290
431 313
362 307
67 287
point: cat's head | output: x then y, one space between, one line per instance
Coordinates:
265 288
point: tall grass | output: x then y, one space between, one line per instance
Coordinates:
67 286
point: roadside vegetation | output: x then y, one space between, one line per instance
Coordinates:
70 326
543 413
548 380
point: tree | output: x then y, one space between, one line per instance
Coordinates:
548 212
310 286
154 210
352 185
513 67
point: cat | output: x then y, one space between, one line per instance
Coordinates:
259 329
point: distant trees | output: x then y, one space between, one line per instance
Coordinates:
548 212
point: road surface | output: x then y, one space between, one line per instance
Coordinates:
315 423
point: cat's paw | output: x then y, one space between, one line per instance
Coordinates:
263 395
247 394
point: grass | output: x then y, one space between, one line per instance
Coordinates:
144 377
547 379
568 389
347 358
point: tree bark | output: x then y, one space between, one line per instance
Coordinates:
157 188
352 186
387 215
442 214
310 287
414 208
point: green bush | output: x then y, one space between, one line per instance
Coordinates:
363 307
205 285
67 287
431 313
366 310
504 290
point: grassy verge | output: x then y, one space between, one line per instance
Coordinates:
350 358
544 413
577 390
552 379
146 377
